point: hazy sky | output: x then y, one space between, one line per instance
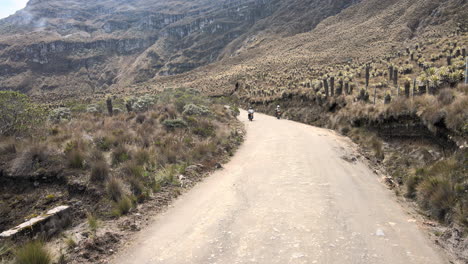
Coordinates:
9 7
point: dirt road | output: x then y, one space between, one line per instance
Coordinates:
287 196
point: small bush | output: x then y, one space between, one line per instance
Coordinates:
93 109
99 171
19 114
143 103
174 123
33 253
114 189
192 109
60 114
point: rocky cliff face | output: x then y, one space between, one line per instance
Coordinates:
84 45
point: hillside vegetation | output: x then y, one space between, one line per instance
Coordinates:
68 48
105 158
408 110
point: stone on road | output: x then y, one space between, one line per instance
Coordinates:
287 196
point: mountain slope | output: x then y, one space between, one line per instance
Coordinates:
370 29
86 46
77 47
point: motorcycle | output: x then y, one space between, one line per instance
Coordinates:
278 114
250 116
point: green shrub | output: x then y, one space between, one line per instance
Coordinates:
93 109
76 106
59 114
192 109
143 103
174 123
33 253
99 171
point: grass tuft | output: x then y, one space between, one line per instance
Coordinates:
114 189
93 223
122 206
76 159
33 253
99 171
70 242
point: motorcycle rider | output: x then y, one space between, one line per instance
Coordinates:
250 113
278 111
